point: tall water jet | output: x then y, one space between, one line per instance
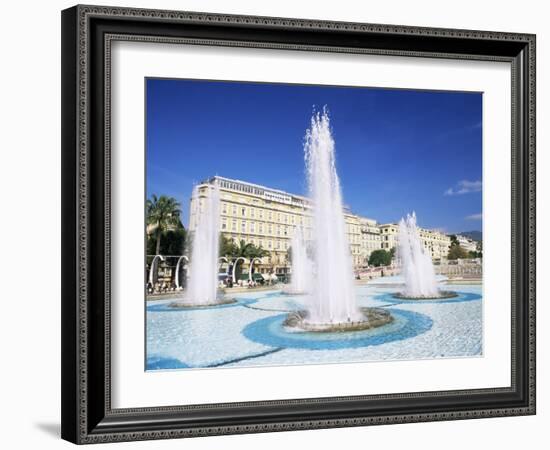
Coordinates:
416 264
300 265
332 298
331 304
202 286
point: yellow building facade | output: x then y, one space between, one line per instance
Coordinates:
269 217
435 242
371 238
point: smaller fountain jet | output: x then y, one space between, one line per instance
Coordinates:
416 264
202 289
301 265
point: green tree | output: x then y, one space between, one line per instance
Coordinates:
259 252
479 248
457 252
380 258
227 247
249 250
244 249
163 213
174 242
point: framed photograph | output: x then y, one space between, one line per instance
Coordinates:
281 224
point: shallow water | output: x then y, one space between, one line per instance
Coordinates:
250 332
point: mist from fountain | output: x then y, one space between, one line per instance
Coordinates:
300 281
416 264
203 281
332 298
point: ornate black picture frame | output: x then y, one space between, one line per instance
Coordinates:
87 34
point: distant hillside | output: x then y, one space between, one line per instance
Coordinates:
475 235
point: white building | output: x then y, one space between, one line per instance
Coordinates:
467 243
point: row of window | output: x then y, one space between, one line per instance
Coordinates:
269 195
241 187
289 218
261 213
371 244
243 226
284 245
266 243
257 227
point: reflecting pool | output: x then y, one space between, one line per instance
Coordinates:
251 332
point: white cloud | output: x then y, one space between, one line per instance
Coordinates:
464 187
474 217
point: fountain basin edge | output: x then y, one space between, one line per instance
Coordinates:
291 292
218 302
373 318
442 296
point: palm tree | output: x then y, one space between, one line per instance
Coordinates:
258 252
227 247
243 249
249 250
162 213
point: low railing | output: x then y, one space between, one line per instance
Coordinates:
465 270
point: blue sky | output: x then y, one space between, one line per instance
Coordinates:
396 150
